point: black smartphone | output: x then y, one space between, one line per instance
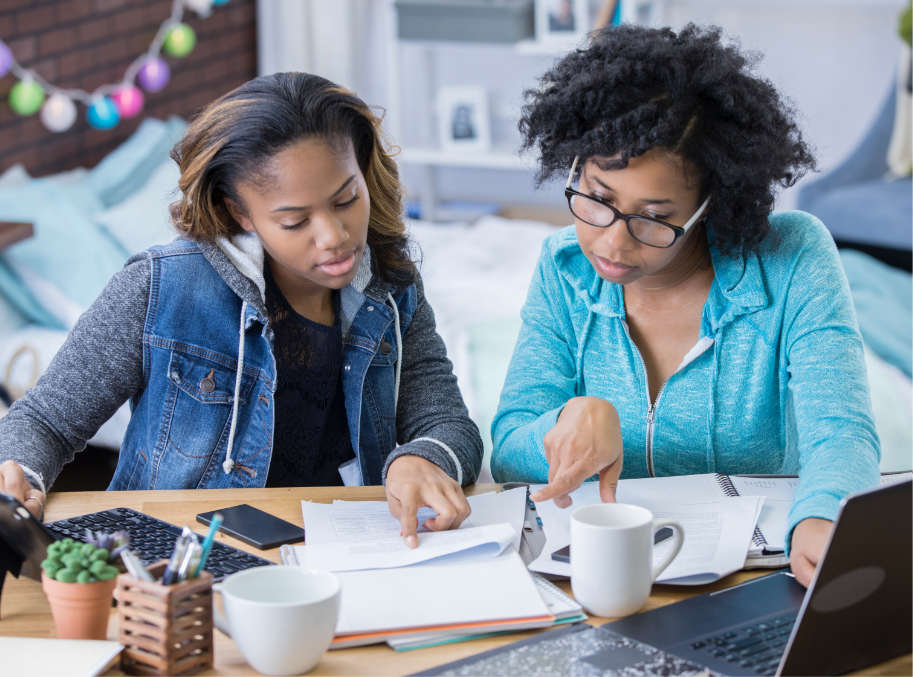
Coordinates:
564 555
255 527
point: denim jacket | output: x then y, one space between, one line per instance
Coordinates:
196 361
776 383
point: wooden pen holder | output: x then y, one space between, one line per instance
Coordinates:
165 629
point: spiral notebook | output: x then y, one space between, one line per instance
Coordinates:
769 542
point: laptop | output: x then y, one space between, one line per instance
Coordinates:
855 613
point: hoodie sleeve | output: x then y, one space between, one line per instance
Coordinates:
431 419
540 380
98 368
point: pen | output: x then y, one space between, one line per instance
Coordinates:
191 556
135 567
207 542
170 576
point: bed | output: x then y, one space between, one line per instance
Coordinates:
88 222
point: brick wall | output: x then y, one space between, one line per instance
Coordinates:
88 43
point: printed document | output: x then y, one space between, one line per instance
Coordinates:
354 535
718 531
385 552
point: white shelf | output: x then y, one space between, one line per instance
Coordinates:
495 159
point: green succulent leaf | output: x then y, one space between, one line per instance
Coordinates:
67 575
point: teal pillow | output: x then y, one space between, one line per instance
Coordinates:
68 250
127 168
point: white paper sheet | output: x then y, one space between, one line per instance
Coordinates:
425 595
778 493
325 523
385 552
354 535
718 533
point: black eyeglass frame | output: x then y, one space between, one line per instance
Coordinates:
569 193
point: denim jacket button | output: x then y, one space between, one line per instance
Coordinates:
370 308
348 367
385 348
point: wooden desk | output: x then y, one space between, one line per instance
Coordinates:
25 610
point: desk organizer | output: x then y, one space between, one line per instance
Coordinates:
165 629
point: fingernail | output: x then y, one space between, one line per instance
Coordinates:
411 541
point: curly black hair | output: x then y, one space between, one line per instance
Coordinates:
693 93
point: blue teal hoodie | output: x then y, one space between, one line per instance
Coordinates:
776 384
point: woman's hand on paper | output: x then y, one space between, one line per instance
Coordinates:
586 440
13 482
809 538
414 483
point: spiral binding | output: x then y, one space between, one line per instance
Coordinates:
729 489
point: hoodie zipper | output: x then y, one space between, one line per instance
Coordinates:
651 408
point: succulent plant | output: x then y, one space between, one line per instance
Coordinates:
113 543
72 562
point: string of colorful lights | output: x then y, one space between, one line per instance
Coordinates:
108 104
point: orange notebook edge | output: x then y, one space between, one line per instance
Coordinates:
438 628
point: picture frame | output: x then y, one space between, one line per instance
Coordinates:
464 125
562 20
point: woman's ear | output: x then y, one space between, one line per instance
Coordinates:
239 215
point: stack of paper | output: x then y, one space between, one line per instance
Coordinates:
718 528
468 581
563 608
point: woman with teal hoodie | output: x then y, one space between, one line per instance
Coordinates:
679 326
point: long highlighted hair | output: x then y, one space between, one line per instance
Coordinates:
232 140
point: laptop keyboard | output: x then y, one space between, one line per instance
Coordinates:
756 648
152 539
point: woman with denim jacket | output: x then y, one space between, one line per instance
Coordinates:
283 340
680 327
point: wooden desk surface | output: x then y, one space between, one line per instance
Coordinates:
25 612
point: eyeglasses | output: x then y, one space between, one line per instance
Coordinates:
596 212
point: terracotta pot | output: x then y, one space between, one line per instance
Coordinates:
81 610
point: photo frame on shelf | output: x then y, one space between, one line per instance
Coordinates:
464 125
562 20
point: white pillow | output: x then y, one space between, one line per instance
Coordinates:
41 345
15 176
142 220
892 400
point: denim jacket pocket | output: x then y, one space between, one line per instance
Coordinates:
197 417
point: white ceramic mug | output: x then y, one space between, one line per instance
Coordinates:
612 557
282 618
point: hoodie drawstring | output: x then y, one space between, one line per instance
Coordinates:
229 463
399 352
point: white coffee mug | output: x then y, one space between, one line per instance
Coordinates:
282 618
612 557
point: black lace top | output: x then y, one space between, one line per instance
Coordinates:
311 434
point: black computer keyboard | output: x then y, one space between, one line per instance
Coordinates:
152 539
757 648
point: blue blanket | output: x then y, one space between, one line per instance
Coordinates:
883 296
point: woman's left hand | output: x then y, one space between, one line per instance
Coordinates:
413 483
809 539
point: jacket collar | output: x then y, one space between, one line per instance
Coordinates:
239 261
738 287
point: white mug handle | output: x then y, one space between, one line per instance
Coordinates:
220 621
678 535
